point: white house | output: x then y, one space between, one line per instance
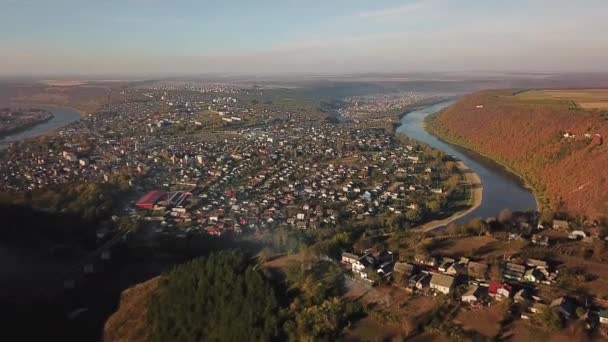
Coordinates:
349 258
472 295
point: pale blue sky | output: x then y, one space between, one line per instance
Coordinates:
274 36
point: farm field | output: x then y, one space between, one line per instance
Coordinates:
584 98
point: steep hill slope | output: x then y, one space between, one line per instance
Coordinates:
554 139
129 323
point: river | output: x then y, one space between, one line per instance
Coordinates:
62 116
501 188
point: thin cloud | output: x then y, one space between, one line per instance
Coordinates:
396 11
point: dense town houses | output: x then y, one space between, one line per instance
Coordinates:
237 164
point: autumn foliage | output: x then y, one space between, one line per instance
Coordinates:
558 147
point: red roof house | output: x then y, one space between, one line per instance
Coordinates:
150 199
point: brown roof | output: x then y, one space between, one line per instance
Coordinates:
442 280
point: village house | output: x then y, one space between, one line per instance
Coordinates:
540 240
402 271
456 269
445 264
363 265
577 235
349 258
474 294
534 275
514 271
498 290
426 260
603 316
442 283
566 306
561 225
420 281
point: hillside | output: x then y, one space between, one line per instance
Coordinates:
129 323
552 138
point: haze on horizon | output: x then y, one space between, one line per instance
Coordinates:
159 37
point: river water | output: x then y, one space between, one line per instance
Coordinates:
501 188
61 117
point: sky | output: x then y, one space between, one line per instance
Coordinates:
179 37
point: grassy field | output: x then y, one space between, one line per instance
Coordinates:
583 98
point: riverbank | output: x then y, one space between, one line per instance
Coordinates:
25 126
62 116
525 182
474 182
501 189
471 178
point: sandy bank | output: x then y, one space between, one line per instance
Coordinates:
476 197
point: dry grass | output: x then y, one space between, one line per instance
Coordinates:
527 331
369 329
284 261
467 245
395 312
593 105
128 323
484 320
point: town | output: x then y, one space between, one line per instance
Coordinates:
216 163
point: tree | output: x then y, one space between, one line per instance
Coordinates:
550 319
434 206
320 322
580 312
505 216
413 215
547 216
218 298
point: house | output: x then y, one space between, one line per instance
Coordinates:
366 261
540 240
521 296
420 281
384 256
537 263
442 283
561 225
498 290
566 306
349 258
445 264
514 271
534 275
456 268
577 235
425 260
473 294
603 314
402 271
386 269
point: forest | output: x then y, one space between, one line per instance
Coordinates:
555 145
228 296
